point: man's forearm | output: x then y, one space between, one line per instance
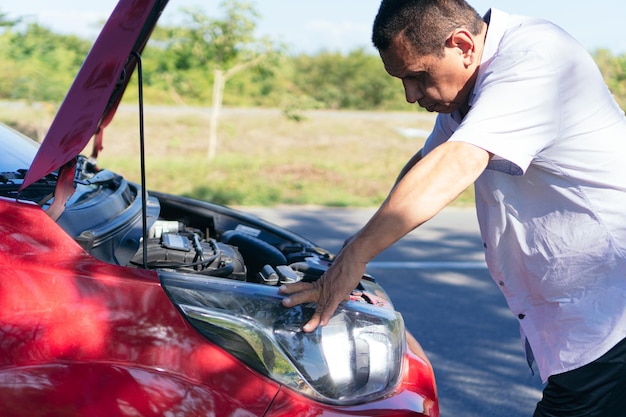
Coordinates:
410 164
421 192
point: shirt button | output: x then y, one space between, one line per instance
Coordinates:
501 283
485 245
521 316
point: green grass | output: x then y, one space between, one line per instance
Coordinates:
342 159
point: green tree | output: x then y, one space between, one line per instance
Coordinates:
354 81
5 22
39 65
613 70
216 48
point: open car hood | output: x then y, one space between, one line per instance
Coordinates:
98 87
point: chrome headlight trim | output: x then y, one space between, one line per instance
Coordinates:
356 357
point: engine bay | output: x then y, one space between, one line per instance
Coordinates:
239 255
105 216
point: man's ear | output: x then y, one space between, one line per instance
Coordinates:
464 41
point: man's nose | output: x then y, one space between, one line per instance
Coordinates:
411 90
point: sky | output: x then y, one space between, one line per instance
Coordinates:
311 26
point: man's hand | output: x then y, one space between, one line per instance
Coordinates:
422 190
333 287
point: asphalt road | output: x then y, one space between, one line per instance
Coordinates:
437 279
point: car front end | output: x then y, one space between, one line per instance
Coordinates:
119 301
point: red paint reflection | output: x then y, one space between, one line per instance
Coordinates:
73 328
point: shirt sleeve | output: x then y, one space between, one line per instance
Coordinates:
443 129
515 112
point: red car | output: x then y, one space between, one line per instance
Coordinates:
119 302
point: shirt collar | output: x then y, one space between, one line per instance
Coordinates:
498 22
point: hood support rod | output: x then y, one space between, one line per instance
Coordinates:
144 192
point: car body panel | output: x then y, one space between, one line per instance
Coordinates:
64 314
85 338
94 389
403 404
99 85
86 330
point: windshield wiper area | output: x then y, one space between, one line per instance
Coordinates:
40 192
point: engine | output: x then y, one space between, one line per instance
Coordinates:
238 256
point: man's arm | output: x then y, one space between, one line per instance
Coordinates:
410 164
422 191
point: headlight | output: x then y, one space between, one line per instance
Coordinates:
356 357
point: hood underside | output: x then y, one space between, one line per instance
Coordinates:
98 87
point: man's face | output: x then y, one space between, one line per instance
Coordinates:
438 84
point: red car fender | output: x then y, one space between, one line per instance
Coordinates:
77 333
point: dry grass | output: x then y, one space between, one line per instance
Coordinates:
336 158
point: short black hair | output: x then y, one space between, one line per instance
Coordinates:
426 24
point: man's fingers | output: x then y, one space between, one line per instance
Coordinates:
312 324
295 287
321 317
299 293
306 292
323 313
327 292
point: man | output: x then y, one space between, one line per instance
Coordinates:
525 116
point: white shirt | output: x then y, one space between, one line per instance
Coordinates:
552 203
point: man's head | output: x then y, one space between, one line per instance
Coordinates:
425 24
433 46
